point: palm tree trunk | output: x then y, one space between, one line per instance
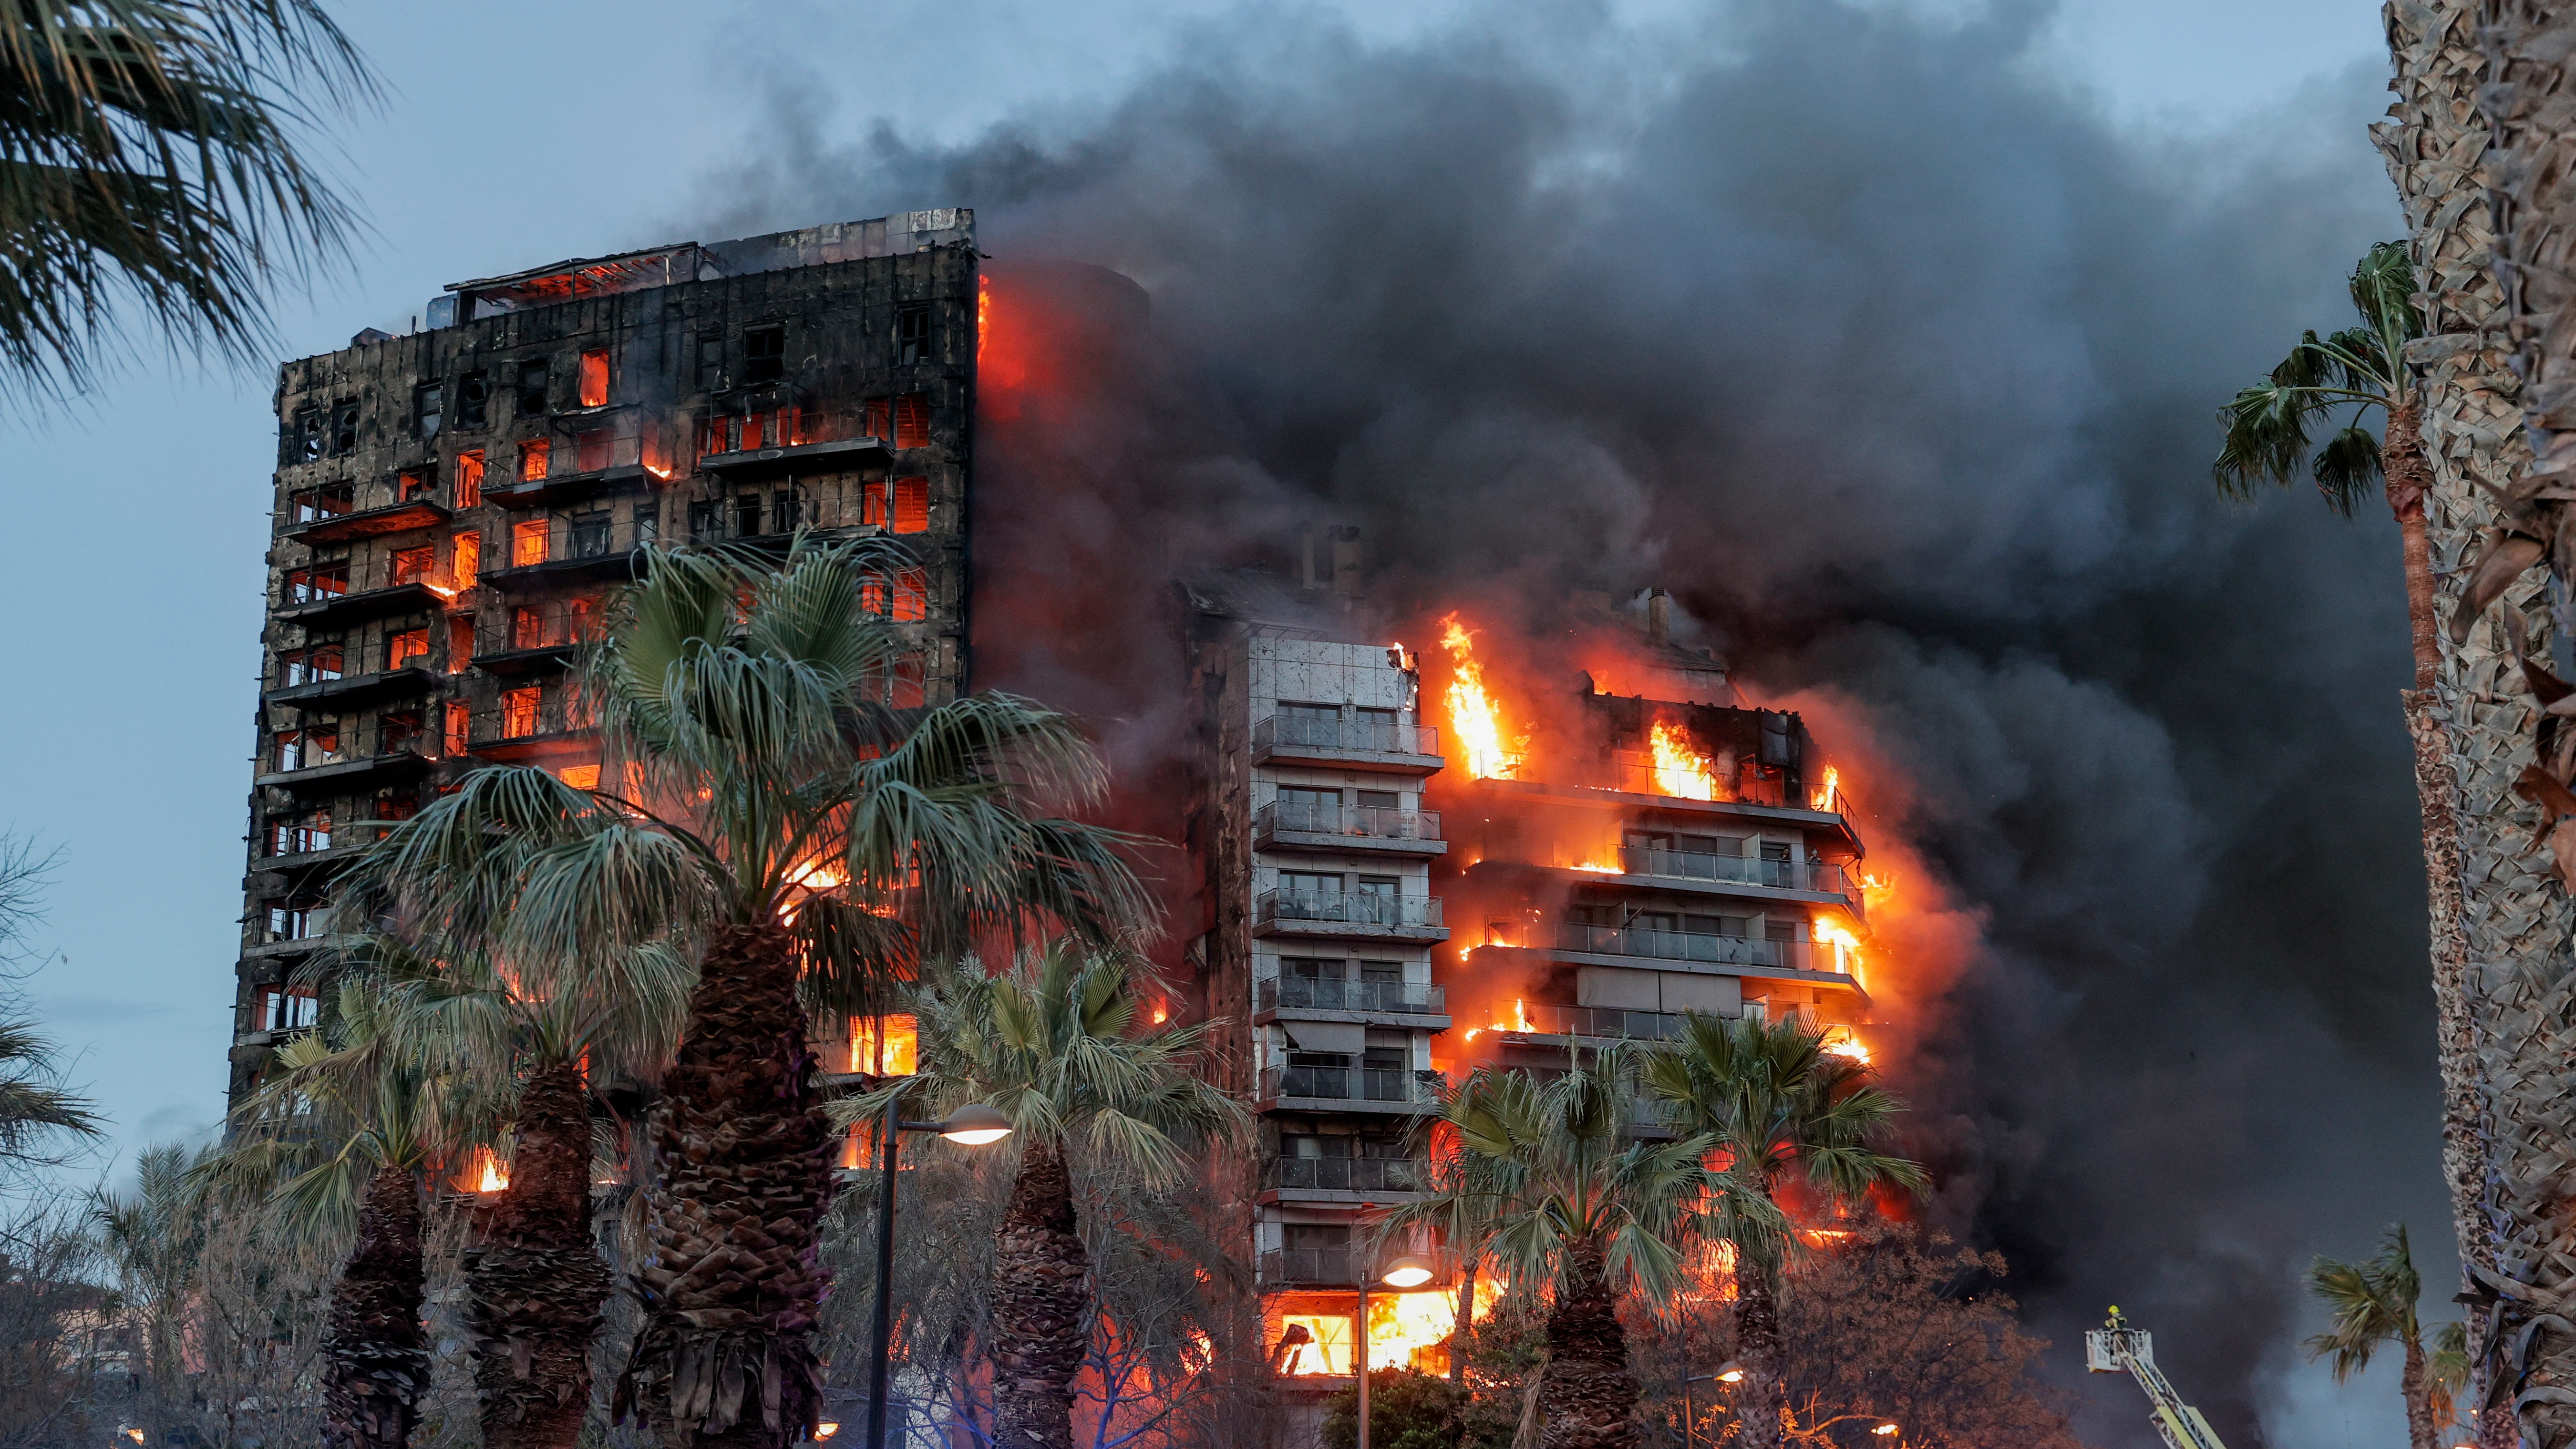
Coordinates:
376 1358
1587 1395
537 1284
730 1290
1041 1299
2527 101
1465 1331
1762 1397
2419 1405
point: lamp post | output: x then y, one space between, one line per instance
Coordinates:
1727 1373
973 1125
1409 1271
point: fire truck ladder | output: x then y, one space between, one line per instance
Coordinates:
2116 1348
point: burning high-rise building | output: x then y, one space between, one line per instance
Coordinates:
452 505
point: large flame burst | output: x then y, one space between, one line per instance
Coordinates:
1405 1330
1681 771
1473 719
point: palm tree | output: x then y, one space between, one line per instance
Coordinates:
768 814
347 1127
530 1038
1576 1203
1776 1103
154 1238
2373 1304
1055 1044
149 155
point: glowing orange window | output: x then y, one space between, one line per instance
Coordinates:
460 644
885 1046
904 685
581 777
527 627
879 418
519 712
911 594
413 565
912 505
458 727
527 543
469 559
912 421
532 458
594 378
469 479
872 504
584 620
406 647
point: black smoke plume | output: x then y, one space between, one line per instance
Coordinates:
1895 362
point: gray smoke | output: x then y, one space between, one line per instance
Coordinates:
1896 365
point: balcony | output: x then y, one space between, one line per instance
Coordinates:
1598 1023
1362 1089
391 517
530 638
1370 829
1339 1267
1346 1174
1688 946
1366 744
1787 875
565 487
572 550
1384 918
346 774
1365 998
351 690
836 453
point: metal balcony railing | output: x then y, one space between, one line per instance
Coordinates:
1371 822
1347 1174
1792 875
552 624
566 539
777 512
366 570
1358 736
1353 1084
1391 912
370 649
1333 993
1609 1023
1636 774
1685 946
327 504
1339 1267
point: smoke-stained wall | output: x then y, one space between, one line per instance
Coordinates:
1897 366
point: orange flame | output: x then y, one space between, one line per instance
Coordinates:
885 1046
1829 793
490 1175
1681 771
1847 1045
1405 1330
1473 718
1830 932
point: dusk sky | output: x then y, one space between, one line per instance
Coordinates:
511 136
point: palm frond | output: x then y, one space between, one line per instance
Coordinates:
2347 469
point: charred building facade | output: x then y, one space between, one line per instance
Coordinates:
452 504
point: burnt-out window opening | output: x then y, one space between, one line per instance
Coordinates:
912 334
414 483
589 533
764 354
474 400
460 643
302 442
288 1008
428 408
786 511
911 505
876 418
912 421
322 579
519 709
331 500
594 377
528 627
407 648
344 428
532 386
468 556
746 515
402 806
527 543
710 363
469 479
310 665
315 744
533 457
706 517
402 729
299 834
590 450
458 723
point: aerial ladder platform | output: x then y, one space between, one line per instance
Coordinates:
2116 1348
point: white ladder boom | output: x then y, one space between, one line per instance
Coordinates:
2117 1348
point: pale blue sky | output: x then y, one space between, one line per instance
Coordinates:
513 135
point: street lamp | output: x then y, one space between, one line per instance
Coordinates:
974 1125
1727 1373
1884 1429
1409 1271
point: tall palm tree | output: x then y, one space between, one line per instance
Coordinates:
150 155
1577 1203
766 813
1056 1045
155 1238
2373 1305
346 1127
1777 1105
532 1038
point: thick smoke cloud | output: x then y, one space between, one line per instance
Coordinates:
1896 365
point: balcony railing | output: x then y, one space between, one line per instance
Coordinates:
1335 733
1334 993
1637 775
1686 946
1353 1084
1368 822
1339 1267
574 543
1789 875
1608 1023
1391 912
822 507
1347 1174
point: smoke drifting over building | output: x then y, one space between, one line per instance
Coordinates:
1895 367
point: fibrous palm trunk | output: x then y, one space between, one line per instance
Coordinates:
730 1289
1041 1298
537 1284
2512 922
1466 1323
1587 1395
375 1355
2419 1406
1762 1398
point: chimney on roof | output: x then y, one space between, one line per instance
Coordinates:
1659 616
